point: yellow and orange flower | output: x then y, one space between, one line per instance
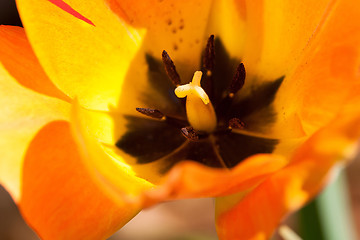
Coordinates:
81 162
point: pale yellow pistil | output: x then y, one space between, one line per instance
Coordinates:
200 112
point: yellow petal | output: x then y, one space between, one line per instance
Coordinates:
178 28
60 200
84 60
227 21
265 34
288 27
110 171
23 113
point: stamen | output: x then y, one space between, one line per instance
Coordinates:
191 134
238 80
170 69
154 113
236 123
209 56
236 84
199 109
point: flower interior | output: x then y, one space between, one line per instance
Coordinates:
209 120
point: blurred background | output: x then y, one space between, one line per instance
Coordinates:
194 219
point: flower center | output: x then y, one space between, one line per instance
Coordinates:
222 125
201 115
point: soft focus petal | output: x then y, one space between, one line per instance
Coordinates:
20 62
256 215
193 180
328 71
84 60
59 199
23 113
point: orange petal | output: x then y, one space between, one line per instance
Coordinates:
60 200
83 60
20 61
256 215
194 180
328 71
23 113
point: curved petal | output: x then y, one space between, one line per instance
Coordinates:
19 60
23 113
186 179
84 60
108 170
328 71
60 200
256 215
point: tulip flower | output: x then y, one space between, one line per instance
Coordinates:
112 106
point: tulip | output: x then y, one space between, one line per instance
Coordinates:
102 114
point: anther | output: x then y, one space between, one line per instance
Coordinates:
236 123
170 69
191 134
238 80
209 56
154 113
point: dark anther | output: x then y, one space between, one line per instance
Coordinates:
238 80
191 134
170 68
236 84
154 113
209 65
236 123
209 54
